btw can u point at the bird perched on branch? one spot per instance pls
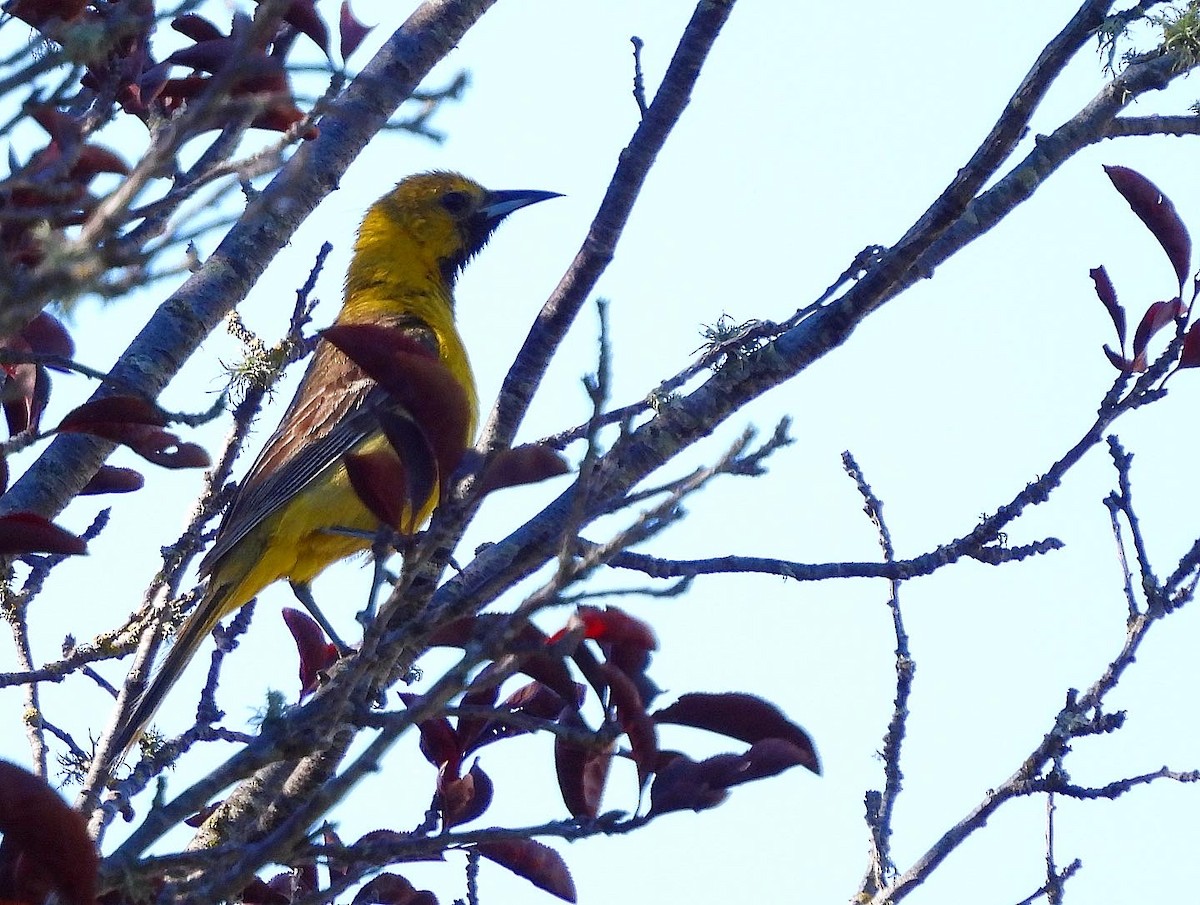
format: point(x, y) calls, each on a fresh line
point(371, 435)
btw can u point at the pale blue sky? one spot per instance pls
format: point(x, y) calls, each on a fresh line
point(813, 133)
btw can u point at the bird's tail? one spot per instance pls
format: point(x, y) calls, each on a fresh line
point(188, 639)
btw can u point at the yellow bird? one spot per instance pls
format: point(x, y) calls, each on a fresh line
point(296, 511)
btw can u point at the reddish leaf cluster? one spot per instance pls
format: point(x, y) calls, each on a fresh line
point(46, 847)
point(25, 390)
point(27, 385)
point(50, 191)
point(776, 744)
point(138, 424)
point(447, 745)
point(611, 650)
point(131, 421)
point(146, 88)
point(1157, 212)
point(427, 425)
point(258, 73)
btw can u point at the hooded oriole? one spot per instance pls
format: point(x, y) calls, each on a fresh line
point(296, 512)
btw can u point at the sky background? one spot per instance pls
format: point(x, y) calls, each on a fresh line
point(811, 134)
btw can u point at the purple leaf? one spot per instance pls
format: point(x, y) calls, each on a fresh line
point(1108, 295)
point(1158, 213)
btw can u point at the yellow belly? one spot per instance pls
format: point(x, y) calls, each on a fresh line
point(323, 523)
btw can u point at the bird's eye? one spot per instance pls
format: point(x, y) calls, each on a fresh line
point(457, 203)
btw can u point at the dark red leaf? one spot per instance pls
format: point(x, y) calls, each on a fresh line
point(552, 672)
point(351, 31)
point(165, 450)
point(482, 692)
point(305, 878)
point(625, 641)
point(684, 785)
point(582, 770)
point(1108, 295)
point(464, 798)
point(3, 473)
point(772, 756)
point(634, 663)
point(316, 653)
point(135, 423)
point(24, 532)
point(38, 13)
point(457, 632)
point(63, 129)
point(526, 464)
point(376, 349)
point(127, 409)
point(1119, 362)
point(111, 479)
point(210, 55)
point(302, 14)
point(741, 716)
point(380, 481)
point(94, 160)
point(530, 646)
point(46, 845)
point(615, 626)
point(151, 443)
point(281, 116)
point(257, 71)
point(1157, 316)
point(1190, 356)
point(20, 397)
point(537, 700)
point(1158, 213)
point(196, 27)
point(392, 889)
point(259, 892)
point(439, 743)
point(539, 864)
point(532, 700)
point(418, 380)
point(635, 722)
point(47, 336)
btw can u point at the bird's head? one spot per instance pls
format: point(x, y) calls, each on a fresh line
point(440, 220)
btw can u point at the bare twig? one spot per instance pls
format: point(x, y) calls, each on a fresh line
point(881, 805)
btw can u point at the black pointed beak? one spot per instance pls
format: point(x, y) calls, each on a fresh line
point(500, 204)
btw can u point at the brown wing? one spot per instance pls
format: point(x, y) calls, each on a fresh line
point(334, 409)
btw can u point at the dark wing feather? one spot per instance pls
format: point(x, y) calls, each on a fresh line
point(333, 410)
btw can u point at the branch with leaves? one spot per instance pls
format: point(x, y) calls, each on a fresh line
point(588, 684)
